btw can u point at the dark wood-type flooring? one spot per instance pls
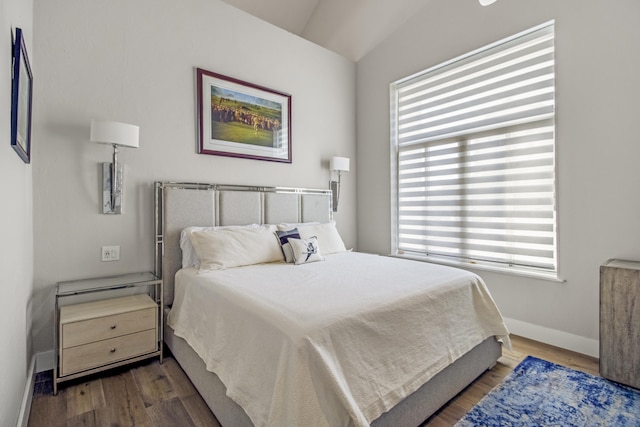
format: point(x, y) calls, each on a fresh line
point(153, 394)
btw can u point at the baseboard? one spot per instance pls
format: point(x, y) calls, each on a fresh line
point(554, 337)
point(44, 361)
point(27, 397)
point(39, 363)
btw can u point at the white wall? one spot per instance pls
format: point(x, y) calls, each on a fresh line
point(133, 61)
point(16, 227)
point(598, 144)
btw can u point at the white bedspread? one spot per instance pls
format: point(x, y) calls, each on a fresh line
point(333, 343)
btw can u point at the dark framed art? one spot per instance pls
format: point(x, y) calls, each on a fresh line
point(240, 119)
point(21, 94)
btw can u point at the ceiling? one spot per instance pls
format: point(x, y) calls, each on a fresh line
point(350, 28)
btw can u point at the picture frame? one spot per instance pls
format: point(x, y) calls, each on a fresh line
point(21, 99)
point(241, 119)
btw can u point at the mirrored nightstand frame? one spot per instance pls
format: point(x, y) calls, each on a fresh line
point(100, 288)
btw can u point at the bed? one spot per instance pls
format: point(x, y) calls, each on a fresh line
point(324, 343)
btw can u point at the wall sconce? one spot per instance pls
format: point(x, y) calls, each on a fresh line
point(337, 164)
point(486, 2)
point(116, 134)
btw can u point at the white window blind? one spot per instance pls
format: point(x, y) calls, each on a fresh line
point(475, 147)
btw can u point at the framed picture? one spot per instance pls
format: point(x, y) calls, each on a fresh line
point(21, 94)
point(240, 119)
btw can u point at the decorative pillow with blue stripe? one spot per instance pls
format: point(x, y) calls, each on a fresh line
point(283, 238)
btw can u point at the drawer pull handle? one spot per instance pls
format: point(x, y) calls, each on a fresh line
point(113, 350)
point(113, 327)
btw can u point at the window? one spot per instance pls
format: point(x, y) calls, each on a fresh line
point(474, 157)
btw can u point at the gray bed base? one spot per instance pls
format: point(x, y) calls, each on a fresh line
point(179, 205)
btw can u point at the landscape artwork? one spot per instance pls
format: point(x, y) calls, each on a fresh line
point(240, 119)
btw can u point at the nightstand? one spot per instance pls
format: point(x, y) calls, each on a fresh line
point(105, 322)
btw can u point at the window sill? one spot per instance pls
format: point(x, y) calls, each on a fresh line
point(530, 273)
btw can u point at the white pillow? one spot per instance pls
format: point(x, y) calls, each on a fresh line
point(189, 257)
point(235, 247)
point(305, 250)
point(328, 237)
point(290, 225)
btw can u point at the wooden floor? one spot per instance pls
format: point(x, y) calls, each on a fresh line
point(153, 394)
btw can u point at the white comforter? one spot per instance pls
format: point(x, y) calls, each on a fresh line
point(331, 343)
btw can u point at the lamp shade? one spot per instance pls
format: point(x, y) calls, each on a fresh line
point(122, 134)
point(339, 164)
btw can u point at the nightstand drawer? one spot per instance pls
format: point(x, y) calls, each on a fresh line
point(100, 353)
point(101, 328)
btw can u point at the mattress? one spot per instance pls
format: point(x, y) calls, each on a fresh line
point(332, 343)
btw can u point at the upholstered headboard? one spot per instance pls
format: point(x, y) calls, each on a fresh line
point(180, 205)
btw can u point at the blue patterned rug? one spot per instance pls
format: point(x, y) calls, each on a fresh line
point(541, 393)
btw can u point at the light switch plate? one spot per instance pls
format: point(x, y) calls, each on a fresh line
point(110, 253)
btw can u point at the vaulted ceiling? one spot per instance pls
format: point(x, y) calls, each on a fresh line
point(348, 27)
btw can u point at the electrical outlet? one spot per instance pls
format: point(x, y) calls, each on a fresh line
point(110, 253)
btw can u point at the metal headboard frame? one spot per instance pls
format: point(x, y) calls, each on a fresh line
point(160, 187)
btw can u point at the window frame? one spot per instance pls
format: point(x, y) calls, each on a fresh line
point(502, 267)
